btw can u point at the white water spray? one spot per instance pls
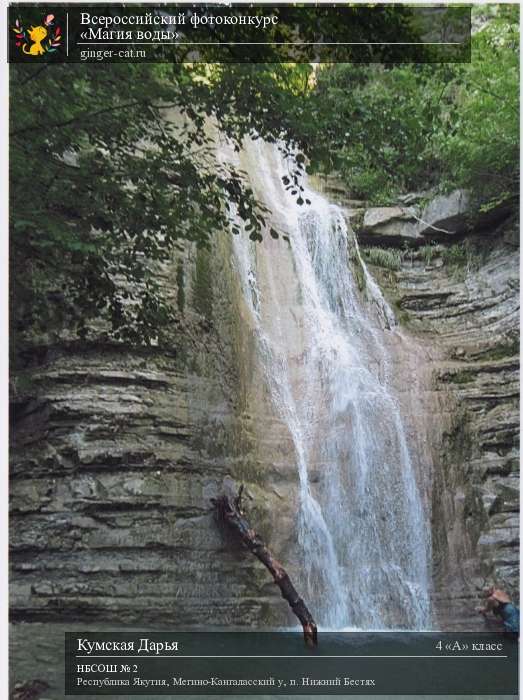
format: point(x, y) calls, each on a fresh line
point(362, 531)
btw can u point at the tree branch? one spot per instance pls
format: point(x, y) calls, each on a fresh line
point(229, 512)
point(34, 75)
point(493, 94)
point(78, 118)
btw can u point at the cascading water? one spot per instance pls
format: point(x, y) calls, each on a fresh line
point(361, 526)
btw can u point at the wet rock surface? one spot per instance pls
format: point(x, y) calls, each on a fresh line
point(115, 455)
point(461, 304)
point(116, 452)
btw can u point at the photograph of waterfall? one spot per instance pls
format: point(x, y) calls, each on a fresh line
point(263, 344)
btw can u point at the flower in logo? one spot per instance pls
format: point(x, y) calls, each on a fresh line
point(37, 41)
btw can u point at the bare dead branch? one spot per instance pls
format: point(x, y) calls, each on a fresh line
point(229, 512)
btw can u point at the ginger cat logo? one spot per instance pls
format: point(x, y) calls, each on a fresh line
point(37, 41)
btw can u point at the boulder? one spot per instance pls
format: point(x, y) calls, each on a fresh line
point(443, 217)
point(388, 225)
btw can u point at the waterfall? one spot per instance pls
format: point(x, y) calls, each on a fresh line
point(363, 536)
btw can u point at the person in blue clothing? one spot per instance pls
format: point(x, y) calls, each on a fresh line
point(499, 603)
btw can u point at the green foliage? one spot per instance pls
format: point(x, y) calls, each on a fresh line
point(427, 252)
point(456, 255)
point(509, 349)
point(376, 124)
point(463, 376)
point(388, 129)
point(461, 258)
point(480, 138)
point(388, 258)
point(110, 166)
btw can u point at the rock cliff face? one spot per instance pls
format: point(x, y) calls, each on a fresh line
point(459, 302)
point(115, 455)
point(116, 452)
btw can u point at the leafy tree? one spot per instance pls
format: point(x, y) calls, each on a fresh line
point(109, 166)
point(390, 128)
point(479, 137)
point(377, 123)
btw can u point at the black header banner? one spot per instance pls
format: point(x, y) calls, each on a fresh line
point(263, 663)
point(207, 33)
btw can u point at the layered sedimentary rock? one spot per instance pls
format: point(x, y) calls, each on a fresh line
point(116, 453)
point(460, 304)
